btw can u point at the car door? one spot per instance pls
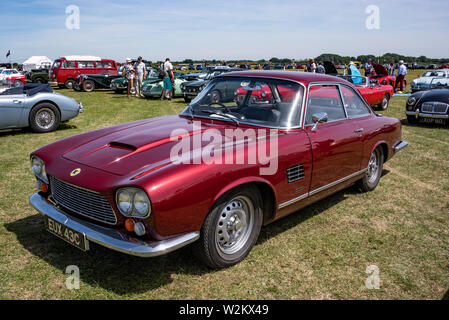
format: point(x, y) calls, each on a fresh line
point(336, 144)
point(11, 108)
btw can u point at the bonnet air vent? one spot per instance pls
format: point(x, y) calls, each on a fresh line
point(295, 173)
point(120, 145)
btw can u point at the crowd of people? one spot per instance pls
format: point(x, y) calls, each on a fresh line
point(136, 73)
point(314, 67)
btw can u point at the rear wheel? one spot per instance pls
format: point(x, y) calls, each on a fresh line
point(385, 102)
point(68, 84)
point(88, 85)
point(44, 118)
point(231, 228)
point(373, 172)
point(39, 80)
point(412, 119)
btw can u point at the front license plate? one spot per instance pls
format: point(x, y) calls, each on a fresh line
point(73, 237)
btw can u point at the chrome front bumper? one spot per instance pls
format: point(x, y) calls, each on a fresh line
point(111, 238)
point(427, 115)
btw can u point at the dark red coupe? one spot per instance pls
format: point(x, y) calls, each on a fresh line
point(217, 172)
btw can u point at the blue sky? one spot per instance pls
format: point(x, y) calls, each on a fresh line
point(228, 29)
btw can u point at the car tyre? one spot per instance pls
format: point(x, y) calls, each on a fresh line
point(68, 84)
point(88, 85)
point(17, 83)
point(371, 179)
point(385, 102)
point(40, 81)
point(215, 96)
point(412, 119)
point(231, 228)
point(44, 117)
point(187, 99)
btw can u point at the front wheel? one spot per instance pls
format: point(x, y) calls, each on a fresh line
point(373, 172)
point(44, 118)
point(17, 83)
point(231, 228)
point(68, 84)
point(88, 85)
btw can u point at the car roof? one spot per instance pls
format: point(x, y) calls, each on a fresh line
point(303, 77)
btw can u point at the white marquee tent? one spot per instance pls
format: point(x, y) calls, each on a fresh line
point(36, 62)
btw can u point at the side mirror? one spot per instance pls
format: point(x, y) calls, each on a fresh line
point(319, 117)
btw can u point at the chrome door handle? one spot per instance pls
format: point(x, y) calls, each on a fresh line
point(360, 130)
point(17, 101)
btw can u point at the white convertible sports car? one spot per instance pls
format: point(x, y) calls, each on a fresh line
point(36, 106)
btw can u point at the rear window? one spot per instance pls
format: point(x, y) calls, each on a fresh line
point(85, 64)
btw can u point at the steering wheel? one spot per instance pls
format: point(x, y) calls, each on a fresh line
point(221, 105)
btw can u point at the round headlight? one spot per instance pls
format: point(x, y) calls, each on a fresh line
point(411, 100)
point(124, 201)
point(141, 203)
point(36, 166)
point(133, 202)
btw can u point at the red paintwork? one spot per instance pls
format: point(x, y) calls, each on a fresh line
point(288, 94)
point(137, 154)
point(61, 75)
point(375, 94)
point(381, 74)
point(17, 76)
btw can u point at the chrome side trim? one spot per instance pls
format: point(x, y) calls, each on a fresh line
point(327, 186)
point(401, 145)
point(109, 237)
point(289, 202)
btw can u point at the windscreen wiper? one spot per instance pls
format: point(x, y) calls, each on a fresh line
point(221, 114)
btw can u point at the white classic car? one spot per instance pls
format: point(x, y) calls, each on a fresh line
point(423, 82)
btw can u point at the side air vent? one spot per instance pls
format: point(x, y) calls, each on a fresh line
point(295, 173)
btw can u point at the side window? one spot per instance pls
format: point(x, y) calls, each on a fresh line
point(104, 64)
point(324, 98)
point(85, 64)
point(70, 64)
point(354, 105)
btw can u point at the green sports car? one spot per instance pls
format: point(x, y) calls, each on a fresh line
point(154, 88)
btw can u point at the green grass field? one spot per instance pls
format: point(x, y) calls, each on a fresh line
point(321, 252)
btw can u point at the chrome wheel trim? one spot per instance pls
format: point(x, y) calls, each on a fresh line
point(88, 86)
point(373, 167)
point(45, 118)
point(384, 103)
point(234, 225)
point(17, 83)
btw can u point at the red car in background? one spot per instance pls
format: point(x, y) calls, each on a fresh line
point(12, 76)
point(149, 187)
point(376, 94)
point(381, 75)
point(64, 70)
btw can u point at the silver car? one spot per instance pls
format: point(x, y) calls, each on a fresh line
point(35, 106)
point(423, 82)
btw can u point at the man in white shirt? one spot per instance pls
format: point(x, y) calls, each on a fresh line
point(141, 73)
point(402, 72)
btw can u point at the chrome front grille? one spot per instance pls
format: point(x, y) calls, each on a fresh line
point(82, 201)
point(434, 107)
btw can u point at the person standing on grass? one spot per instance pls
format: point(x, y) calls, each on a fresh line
point(402, 72)
point(141, 73)
point(129, 74)
point(369, 68)
point(168, 81)
point(320, 68)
